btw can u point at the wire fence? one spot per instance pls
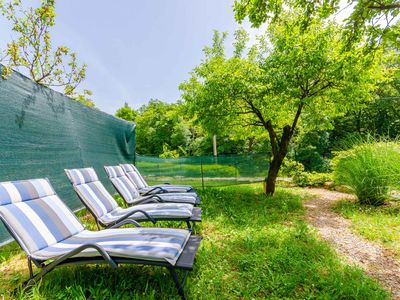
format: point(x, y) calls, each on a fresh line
point(205, 171)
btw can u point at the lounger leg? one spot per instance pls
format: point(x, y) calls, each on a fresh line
point(52, 265)
point(189, 225)
point(30, 268)
point(179, 285)
point(33, 278)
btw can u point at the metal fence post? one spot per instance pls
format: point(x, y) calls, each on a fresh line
point(202, 174)
point(236, 171)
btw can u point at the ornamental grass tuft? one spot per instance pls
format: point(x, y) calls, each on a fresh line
point(370, 169)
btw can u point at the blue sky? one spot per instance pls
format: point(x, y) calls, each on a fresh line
point(137, 50)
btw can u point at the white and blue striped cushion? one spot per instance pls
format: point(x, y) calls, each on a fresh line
point(154, 244)
point(106, 209)
point(86, 183)
point(156, 210)
point(131, 195)
point(191, 198)
point(36, 214)
point(169, 188)
point(82, 176)
point(17, 191)
point(134, 175)
point(114, 171)
point(121, 182)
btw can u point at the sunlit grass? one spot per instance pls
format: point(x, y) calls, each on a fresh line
point(253, 248)
point(379, 224)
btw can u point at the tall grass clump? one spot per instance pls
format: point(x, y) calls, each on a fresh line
point(371, 169)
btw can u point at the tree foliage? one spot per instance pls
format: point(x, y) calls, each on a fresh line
point(292, 75)
point(127, 113)
point(32, 52)
point(158, 124)
point(166, 130)
point(374, 18)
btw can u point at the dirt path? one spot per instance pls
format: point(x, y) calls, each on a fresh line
point(374, 259)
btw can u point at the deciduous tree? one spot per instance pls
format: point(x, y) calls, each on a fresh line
point(292, 76)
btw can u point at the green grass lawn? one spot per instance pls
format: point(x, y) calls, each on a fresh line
point(208, 182)
point(187, 170)
point(253, 248)
point(379, 224)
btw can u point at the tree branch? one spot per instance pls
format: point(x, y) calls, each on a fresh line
point(296, 119)
point(272, 137)
point(384, 6)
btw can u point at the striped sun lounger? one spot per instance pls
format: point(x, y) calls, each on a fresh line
point(130, 193)
point(51, 235)
point(134, 175)
point(107, 212)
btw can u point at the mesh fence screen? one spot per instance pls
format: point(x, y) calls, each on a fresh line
point(43, 132)
point(205, 170)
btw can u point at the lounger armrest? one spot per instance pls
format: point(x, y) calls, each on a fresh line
point(74, 252)
point(157, 188)
point(126, 222)
point(150, 198)
point(132, 213)
point(187, 257)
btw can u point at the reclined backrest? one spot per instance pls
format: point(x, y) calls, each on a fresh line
point(132, 172)
point(122, 183)
point(35, 215)
point(91, 191)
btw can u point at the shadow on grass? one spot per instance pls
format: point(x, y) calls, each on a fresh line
point(248, 206)
point(277, 263)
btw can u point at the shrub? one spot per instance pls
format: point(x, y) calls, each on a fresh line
point(370, 169)
point(168, 153)
point(312, 160)
point(311, 179)
point(291, 168)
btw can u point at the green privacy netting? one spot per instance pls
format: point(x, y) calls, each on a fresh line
point(205, 170)
point(42, 132)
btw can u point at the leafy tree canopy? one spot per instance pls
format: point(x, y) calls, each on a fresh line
point(32, 52)
point(161, 126)
point(291, 75)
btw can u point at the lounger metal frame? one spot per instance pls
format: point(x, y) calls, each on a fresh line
point(184, 263)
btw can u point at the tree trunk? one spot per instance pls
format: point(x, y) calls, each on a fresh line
point(279, 148)
point(251, 141)
point(279, 152)
point(270, 180)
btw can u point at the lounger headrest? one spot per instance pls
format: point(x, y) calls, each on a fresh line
point(114, 171)
point(81, 176)
point(128, 168)
point(24, 190)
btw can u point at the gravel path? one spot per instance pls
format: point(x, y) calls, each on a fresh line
point(376, 261)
